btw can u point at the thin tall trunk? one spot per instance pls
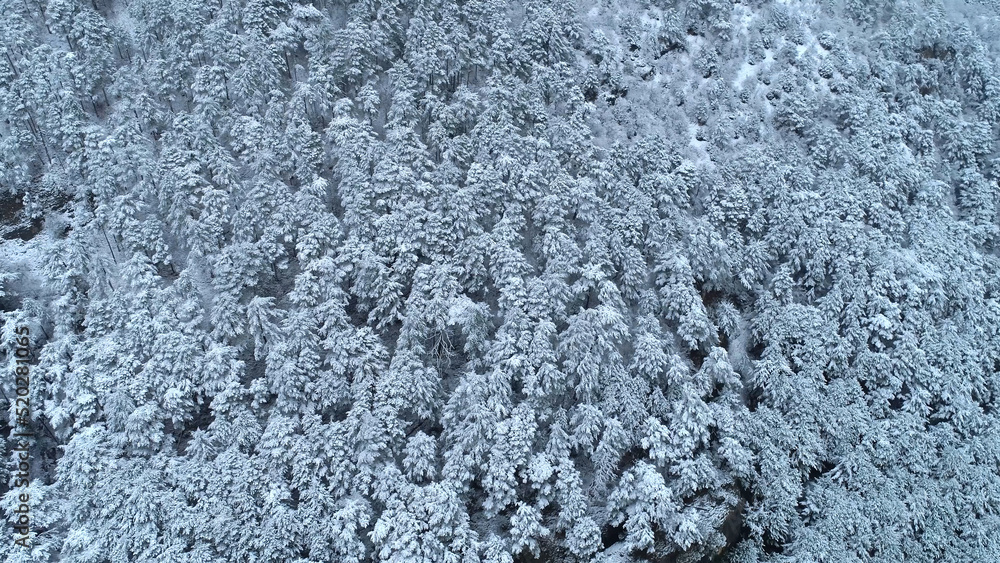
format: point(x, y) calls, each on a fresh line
point(107, 240)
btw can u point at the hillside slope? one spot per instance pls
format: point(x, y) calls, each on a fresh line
point(497, 281)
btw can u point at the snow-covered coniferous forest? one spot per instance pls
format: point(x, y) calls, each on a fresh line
point(500, 281)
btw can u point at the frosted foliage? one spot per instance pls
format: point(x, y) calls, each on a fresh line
point(501, 281)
